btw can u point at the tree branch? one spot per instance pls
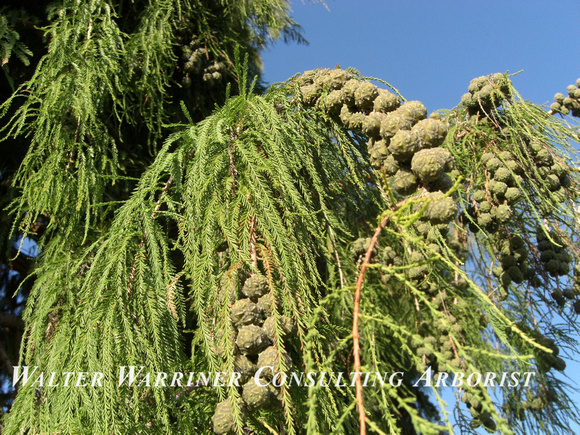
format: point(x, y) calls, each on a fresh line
point(164, 191)
point(142, 242)
point(355, 317)
point(253, 253)
point(341, 275)
point(356, 312)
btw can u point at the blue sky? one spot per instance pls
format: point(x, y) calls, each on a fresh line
point(430, 50)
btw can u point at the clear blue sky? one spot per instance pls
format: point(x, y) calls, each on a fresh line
point(430, 50)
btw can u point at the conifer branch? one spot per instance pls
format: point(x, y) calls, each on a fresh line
point(252, 242)
point(336, 256)
point(356, 310)
point(355, 321)
point(275, 189)
point(158, 203)
point(166, 187)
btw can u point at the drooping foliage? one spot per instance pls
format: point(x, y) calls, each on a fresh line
point(121, 73)
point(324, 226)
point(91, 91)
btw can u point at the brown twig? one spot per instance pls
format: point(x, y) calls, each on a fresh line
point(355, 319)
point(456, 353)
point(253, 253)
point(356, 311)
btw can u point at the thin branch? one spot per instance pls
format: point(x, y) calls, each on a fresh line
point(166, 187)
point(252, 241)
point(233, 170)
point(355, 318)
point(142, 242)
point(340, 273)
point(356, 311)
point(72, 153)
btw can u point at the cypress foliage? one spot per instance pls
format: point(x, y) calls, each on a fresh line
point(324, 226)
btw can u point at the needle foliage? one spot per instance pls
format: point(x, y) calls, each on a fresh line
point(199, 223)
